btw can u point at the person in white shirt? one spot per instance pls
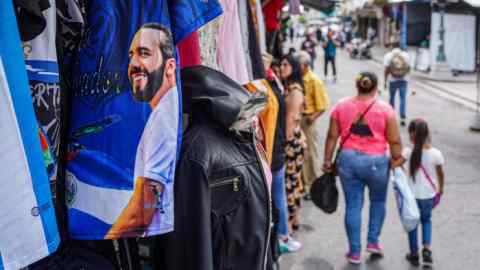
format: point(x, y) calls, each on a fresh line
point(152, 74)
point(425, 164)
point(396, 63)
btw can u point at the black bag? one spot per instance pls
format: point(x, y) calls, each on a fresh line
point(324, 191)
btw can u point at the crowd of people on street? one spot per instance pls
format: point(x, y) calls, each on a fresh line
point(367, 130)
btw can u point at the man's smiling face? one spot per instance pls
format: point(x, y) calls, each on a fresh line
point(146, 67)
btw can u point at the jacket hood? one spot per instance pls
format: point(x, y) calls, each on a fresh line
point(208, 93)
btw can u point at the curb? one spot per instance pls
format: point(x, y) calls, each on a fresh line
point(433, 79)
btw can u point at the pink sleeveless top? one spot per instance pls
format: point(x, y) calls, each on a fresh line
point(347, 110)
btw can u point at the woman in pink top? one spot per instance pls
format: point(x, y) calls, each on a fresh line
point(367, 129)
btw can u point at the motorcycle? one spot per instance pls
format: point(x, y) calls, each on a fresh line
point(365, 52)
point(359, 49)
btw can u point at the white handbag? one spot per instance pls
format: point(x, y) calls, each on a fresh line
point(406, 202)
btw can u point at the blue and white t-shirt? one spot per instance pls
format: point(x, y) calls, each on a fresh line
point(28, 229)
point(42, 70)
point(119, 74)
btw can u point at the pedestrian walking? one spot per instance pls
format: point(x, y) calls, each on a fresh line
point(366, 127)
point(309, 45)
point(330, 49)
point(425, 164)
point(316, 103)
point(319, 34)
point(396, 63)
point(296, 142)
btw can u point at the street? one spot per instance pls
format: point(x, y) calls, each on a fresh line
point(456, 222)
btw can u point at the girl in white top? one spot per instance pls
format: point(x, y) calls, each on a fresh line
point(425, 164)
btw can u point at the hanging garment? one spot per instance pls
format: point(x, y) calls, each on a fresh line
point(243, 14)
point(262, 38)
point(208, 43)
point(222, 199)
point(189, 51)
point(42, 69)
point(30, 18)
point(268, 116)
point(230, 51)
point(250, 24)
point(28, 229)
point(271, 12)
point(258, 69)
point(125, 121)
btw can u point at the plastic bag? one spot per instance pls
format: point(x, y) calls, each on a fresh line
point(406, 202)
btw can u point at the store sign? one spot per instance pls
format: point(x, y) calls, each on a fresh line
point(125, 121)
point(28, 229)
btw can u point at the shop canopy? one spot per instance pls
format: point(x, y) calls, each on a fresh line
point(473, 3)
point(326, 6)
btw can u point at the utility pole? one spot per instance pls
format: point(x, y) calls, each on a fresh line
point(476, 120)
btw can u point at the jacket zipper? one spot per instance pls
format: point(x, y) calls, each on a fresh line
point(234, 181)
point(269, 223)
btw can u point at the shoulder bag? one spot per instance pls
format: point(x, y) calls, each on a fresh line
point(324, 190)
point(438, 195)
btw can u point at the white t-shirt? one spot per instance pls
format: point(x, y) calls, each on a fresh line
point(388, 58)
point(156, 155)
point(431, 158)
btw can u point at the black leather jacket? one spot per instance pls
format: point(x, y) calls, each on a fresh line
point(222, 202)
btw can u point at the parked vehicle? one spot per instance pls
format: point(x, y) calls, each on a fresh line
point(359, 49)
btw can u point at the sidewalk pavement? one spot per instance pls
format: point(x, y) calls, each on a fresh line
point(456, 241)
point(463, 89)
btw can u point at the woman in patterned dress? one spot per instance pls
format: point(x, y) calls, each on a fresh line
point(296, 143)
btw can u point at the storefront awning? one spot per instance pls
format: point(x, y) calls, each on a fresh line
point(473, 3)
point(326, 6)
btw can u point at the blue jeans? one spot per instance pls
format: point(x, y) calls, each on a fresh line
point(401, 86)
point(425, 207)
point(279, 196)
point(357, 170)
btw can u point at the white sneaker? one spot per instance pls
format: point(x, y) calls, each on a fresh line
point(289, 245)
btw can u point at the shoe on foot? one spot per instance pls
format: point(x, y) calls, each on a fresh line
point(413, 259)
point(375, 249)
point(403, 122)
point(353, 258)
point(288, 245)
point(427, 257)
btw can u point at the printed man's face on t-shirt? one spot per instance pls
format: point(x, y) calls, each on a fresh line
point(147, 66)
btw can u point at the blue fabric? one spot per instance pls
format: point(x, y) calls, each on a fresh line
point(400, 86)
point(190, 15)
point(107, 123)
point(357, 171)
point(425, 207)
point(330, 50)
point(12, 59)
point(90, 225)
point(279, 195)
